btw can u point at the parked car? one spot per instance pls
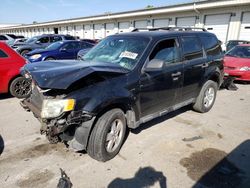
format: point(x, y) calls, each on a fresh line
point(10, 77)
point(92, 41)
point(39, 42)
point(6, 38)
point(82, 52)
point(58, 50)
point(232, 43)
point(125, 80)
point(237, 62)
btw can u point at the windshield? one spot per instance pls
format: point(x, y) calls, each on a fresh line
point(32, 39)
point(124, 51)
point(240, 51)
point(54, 46)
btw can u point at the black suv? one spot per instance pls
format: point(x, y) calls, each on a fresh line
point(125, 80)
point(39, 42)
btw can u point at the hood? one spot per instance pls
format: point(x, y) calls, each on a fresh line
point(236, 62)
point(37, 51)
point(62, 74)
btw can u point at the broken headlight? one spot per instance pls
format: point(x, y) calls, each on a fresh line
point(55, 107)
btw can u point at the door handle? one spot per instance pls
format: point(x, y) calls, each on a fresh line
point(176, 74)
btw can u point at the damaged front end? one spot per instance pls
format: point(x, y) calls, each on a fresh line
point(60, 91)
point(59, 119)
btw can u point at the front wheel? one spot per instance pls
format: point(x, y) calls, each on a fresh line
point(20, 87)
point(206, 98)
point(107, 136)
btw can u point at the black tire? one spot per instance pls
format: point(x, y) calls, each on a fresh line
point(23, 52)
point(20, 87)
point(98, 144)
point(202, 105)
point(49, 59)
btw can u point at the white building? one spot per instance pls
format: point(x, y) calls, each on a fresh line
point(228, 19)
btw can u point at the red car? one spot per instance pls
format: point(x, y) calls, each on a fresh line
point(237, 62)
point(10, 78)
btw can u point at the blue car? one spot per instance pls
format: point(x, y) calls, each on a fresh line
point(58, 50)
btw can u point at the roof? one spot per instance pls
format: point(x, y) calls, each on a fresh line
point(154, 34)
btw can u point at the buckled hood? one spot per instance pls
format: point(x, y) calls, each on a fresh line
point(62, 74)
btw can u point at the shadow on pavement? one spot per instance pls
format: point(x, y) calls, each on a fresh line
point(5, 96)
point(143, 178)
point(232, 171)
point(1, 145)
point(161, 119)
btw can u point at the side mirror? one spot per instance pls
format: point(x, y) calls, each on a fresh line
point(154, 65)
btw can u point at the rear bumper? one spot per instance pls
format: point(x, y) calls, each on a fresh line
point(239, 75)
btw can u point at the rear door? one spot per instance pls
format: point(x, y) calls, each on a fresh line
point(162, 89)
point(194, 66)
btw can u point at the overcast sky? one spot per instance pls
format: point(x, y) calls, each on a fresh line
point(27, 11)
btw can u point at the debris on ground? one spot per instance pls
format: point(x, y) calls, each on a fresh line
point(192, 139)
point(64, 181)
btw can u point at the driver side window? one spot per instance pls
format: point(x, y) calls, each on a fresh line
point(44, 40)
point(166, 51)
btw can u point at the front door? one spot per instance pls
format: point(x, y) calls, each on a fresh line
point(162, 89)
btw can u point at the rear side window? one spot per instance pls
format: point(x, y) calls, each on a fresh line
point(86, 45)
point(191, 47)
point(167, 51)
point(55, 39)
point(3, 54)
point(68, 37)
point(3, 37)
point(211, 45)
point(71, 46)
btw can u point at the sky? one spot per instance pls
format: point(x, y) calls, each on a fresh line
point(27, 11)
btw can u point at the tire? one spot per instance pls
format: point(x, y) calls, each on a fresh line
point(49, 59)
point(23, 52)
point(102, 148)
point(20, 87)
point(206, 98)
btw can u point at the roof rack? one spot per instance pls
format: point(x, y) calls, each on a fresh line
point(170, 29)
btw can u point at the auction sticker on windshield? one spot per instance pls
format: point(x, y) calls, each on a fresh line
point(129, 55)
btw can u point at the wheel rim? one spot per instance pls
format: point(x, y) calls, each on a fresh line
point(22, 87)
point(114, 136)
point(209, 97)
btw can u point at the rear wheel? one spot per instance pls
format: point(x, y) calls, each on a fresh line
point(206, 98)
point(20, 87)
point(107, 136)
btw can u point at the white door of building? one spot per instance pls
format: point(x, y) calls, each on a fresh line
point(110, 29)
point(88, 32)
point(245, 27)
point(124, 27)
point(98, 31)
point(186, 21)
point(141, 24)
point(79, 31)
point(161, 23)
point(218, 24)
